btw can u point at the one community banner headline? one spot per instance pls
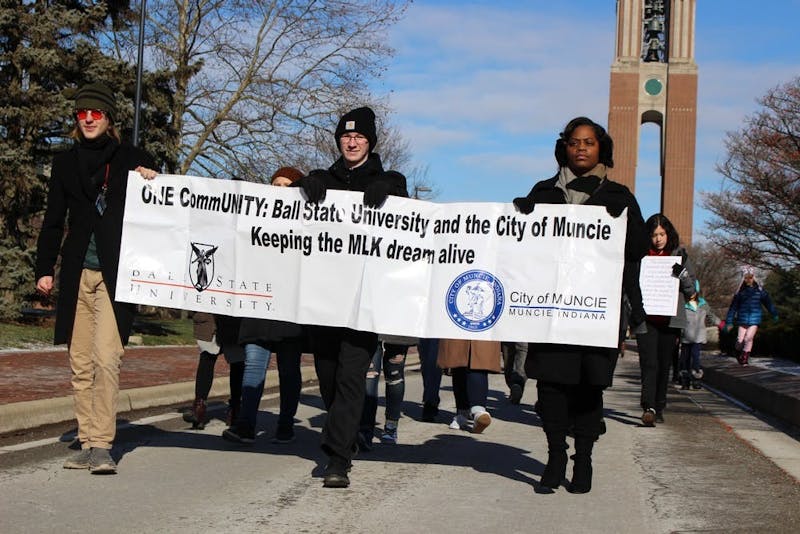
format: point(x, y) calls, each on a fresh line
point(410, 267)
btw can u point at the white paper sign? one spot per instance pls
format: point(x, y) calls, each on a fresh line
point(659, 287)
point(412, 268)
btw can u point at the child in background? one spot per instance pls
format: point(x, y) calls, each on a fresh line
point(745, 311)
point(698, 314)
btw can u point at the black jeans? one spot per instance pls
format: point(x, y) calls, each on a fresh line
point(392, 359)
point(341, 358)
point(656, 347)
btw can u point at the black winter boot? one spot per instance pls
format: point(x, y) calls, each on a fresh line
point(556, 467)
point(582, 468)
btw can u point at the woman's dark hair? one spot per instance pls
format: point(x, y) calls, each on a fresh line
point(606, 143)
point(659, 219)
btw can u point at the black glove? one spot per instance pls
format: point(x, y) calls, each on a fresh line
point(524, 204)
point(679, 271)
point(615, 209)
point(375, 194)
point(314, 188)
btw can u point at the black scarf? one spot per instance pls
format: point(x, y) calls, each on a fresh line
point(93, 155)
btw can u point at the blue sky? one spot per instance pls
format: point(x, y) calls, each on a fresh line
point(480, 89)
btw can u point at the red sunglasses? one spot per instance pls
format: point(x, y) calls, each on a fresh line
point(96, 114)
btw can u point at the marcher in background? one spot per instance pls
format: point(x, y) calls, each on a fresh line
point(390, 356)
point(86, 196)
point(215, 335)
point(470, 363)
point(571, 378)
point(514, 356)
point(342, 355)
point(745, 312)
point(260, 338)
point(428, 350)
point(693, 337)
point(658, 343)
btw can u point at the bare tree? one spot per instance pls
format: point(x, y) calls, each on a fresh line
point(257, 81)
point(718, 274)
point(757, 210)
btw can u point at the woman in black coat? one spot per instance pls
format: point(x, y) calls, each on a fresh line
point(260, 338)
point(86, 194)
point(571, 378)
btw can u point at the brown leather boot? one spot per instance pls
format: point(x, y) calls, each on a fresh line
point(197, 415)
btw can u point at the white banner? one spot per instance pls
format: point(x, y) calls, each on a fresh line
point(413, 268)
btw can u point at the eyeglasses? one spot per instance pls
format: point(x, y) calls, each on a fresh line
point(96, 114)
point(360, 139)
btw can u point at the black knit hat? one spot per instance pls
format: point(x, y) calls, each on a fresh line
point(96, 96)
point(360, 120)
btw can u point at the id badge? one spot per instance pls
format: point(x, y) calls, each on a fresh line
point(100, 203)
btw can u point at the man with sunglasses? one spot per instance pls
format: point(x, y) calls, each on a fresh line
point(342, 355)
point(87, 195)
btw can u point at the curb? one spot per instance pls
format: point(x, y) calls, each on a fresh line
point(771, 392)
point(31, 414)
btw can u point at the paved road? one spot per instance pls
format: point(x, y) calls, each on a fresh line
point(704, 470)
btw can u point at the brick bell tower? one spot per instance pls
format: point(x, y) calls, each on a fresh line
point(654, 79)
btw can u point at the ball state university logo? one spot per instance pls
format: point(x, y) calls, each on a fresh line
point(475, 300)
point(201, 265)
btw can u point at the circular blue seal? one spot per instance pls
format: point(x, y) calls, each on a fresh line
point(475, 300)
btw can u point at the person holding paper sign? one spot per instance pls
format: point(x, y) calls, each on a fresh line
point(659, 341)
point(86, 194)
point(571, 378)
point(342, 355)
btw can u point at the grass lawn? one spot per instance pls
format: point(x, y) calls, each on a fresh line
point(152, 331)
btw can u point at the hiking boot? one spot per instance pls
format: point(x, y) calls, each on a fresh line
point(515, 393)
point(101, 462)
point(649, 417)
point(197, 415)
point(389, 435)
point(429, 411)
point(240, 433)
point(745, 358)
point(284, 434)
point(79, 460)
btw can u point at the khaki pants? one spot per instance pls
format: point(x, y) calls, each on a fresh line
point(95, 356)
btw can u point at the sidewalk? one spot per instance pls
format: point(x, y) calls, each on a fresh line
point(35, 388)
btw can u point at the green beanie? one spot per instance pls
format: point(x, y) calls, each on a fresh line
point(96, 96)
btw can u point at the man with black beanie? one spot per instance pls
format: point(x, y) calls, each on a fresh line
point(342, 355)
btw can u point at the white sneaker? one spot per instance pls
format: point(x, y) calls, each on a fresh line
point(481, 421)
point(460, 422)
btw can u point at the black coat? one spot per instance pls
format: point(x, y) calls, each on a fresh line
point(338, 176)
point(574, 364)
point(71, 200)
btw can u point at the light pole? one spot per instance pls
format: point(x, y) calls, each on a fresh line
point(139, 69)
point(420, 189)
